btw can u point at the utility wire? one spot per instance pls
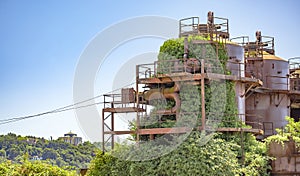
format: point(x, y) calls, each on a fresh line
point(52, 111)
point(2, 122)
point(62, 109)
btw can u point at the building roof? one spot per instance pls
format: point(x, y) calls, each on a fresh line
point(268, 56)
point(70, 133)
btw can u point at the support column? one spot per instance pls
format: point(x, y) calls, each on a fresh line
point(202, 96)
point(103, 139)
point(137, 103)
point(112, 127)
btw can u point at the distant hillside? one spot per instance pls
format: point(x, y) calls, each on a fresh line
point(13, 147)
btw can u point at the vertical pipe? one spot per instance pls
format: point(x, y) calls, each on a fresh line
point(151, 137)
point(227, 29)
point(217, 50)
point(202, 95)
point(186, 48)
point(155, 65)
point(103, 139)
point(112, 127)
point(137, 103)
point(179, 28)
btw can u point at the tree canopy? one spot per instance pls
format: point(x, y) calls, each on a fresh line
point(54, 152)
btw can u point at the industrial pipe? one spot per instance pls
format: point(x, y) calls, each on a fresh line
point(170, 93)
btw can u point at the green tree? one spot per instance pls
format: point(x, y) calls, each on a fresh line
point(290, 131)
point(56, 152)
point(49, 154)
point(27, 168)
point(3, 153)
point(13, 152)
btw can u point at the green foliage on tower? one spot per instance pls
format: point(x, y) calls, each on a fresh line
point(197, 153)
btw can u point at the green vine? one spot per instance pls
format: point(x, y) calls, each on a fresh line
point(290, 131)
point(220, 102)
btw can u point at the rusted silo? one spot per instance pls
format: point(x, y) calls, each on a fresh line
point(235, 64)
point(270, 102)
point(269, 108)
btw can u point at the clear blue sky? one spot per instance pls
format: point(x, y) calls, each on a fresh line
point(41, 42)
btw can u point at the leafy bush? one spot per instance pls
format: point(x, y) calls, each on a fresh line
point(27, 168)
point(290, 131)
point(222, 155)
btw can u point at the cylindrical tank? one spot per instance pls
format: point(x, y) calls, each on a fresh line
point(235, 64)
point(269, 109)
point(266, 105)
point(275, 73)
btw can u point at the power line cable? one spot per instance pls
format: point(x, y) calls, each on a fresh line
point(62, 109)
point(53, 111)
point(2, 122)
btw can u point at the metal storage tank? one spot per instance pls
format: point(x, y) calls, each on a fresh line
point(268, 108)
point(275, 72)
point(270, 103)
point(235, 64)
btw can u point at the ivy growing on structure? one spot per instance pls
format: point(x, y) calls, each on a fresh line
point(223, 154)
point(220, 103)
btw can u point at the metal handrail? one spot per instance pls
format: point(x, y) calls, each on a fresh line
point(294, 63)
point(242, 40)
point(191, 24)
point(223, 24)
point(115, 101)
point(180, 66)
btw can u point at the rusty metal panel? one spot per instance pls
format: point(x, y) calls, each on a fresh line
point(235, 52)
point(236, 59)
point(295, 84)
point(287, 158)
point(270, 108)
point(254, 68)
point(128, 95)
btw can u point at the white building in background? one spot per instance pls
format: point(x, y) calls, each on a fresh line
point(71, 138)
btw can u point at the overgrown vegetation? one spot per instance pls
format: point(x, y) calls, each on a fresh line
point(29, 168)
point(54, 152)
point(197, 153)
point(290, 131)
point(220, 156)
point(220, 103)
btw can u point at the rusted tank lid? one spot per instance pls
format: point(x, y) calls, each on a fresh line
point(268, 56)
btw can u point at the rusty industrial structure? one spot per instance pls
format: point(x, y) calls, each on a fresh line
point(287, 158)
point(267, 87)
